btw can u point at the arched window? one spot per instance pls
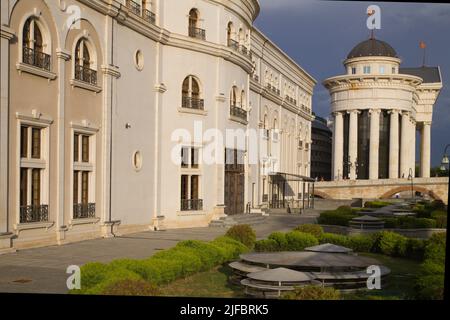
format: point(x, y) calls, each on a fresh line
point(235, 110)
point(33, 45)
point(194, 30)
point(241, 36)
point(191, 95)
point(84, 65)
point(243, 100)
point(230, 31)
point(233, 97)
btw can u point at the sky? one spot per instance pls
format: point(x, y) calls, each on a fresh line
point(318, 35)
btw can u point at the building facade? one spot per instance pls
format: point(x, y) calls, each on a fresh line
point(378, 107)
point(109, 108)
point(321, 150)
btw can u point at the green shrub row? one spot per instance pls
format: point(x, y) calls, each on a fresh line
point(186, 258)
point(409, 223)
point(290, 241)
point(430, 283)
point(376, 204)
point(244, 234)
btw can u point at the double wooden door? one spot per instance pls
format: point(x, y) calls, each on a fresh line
point(234, 183)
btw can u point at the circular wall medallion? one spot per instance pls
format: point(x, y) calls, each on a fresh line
point(139, 60)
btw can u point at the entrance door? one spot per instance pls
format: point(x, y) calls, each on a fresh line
point(234, 182)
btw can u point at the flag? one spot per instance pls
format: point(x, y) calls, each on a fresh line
point(422, 45)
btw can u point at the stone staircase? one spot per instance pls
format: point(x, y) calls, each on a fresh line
point(229, 221)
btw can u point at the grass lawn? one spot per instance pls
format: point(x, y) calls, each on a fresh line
point(214, 283)
point(211, 284)
point(400, 282)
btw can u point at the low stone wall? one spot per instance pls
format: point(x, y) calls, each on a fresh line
point(410, 233)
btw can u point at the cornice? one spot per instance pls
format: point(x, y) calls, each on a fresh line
point(7, 33)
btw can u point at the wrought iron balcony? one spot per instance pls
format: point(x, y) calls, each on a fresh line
point(233, 44)
point(32, 213)
point(197, 33)
point(134, 7)
point(193, 103)
point(238, 112)
point(83, 210)
point(86, 74)
point(36, 58)
point(149, 16)
point(192, 205)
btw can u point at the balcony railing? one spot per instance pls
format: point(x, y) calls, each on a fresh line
point(192, 205)
point(291, 100)
point(149, 16)
point(134, 7)
point(83, 210)
point(36, 58)
point(86, 74)
point(197, 33)
point(238, 112)
point(233, 44)
point(193, 103)
point(32, 213)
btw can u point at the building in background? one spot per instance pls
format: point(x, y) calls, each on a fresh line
point(378, 107)
point(321, 150)
point(100, 93)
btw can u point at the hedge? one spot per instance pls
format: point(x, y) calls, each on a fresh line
point(243, 233)
point(376, 204)
point(298, 241)
point(335, 217)
point(314, 229)
point(186, 258)
point(313, 293)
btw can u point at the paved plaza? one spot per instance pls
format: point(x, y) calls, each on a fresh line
point(43, 270)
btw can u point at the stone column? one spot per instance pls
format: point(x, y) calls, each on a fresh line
point(353, 142)
point(412, 147)
point(425, 150)
point(393, 145)
point(404, 154)
point(338, 145)
point(374, 143)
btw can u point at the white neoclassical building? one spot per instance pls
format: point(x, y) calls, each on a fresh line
point(378, 106)
point(108, 108)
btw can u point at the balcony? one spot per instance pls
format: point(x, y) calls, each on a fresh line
point(35, 58)
point(134, 7)
point(238, 112)
point(86, 75)
point(193, 103)
point(233, 44)
point(83, 210)
point(291, 100)
point(273, 89)
point(192, 205)
point(29, 214)
point(149, 16)
point(197, 33)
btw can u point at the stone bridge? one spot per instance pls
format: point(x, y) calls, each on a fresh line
point(435, 188)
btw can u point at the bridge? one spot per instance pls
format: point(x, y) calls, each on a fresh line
point(435, 188)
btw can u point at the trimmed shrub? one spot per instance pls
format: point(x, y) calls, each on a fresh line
point(266, 245)
point(111, 277)
point(361, 243)
point(313, 293)
point(93, 273)
point(415, 223)
point(390, 223)
point(376, 204)
point(336, 218)
point(313, 229)
point(280, 239)
point(344, 210)
point(390, 243)
point(415, 249)
point(231, 248)
point(131, 288)
point(333, 238)
point(298, 241)
point(440, 217)
point(244, 234)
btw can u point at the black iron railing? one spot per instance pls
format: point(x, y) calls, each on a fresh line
point(192, 205)
point(193, 103)
point(197, 33)
point(83, 210)
point(32, 213)
point(291, 100)
point(36, 58)
point(86, 74)
point(236, 111)
point(134, 7)
point(149, 16)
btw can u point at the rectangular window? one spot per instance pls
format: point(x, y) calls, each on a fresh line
point(382, 70)
point(353, 70)
point(184, 187)
point(76, 148)
point(366, 69)
point(23, 186)
point(36, 187)
point(394, 70)
point(194, 188)
point(85, 187)
point(184, 157)
point(24, 142)
point(85, 148)
point(194, 158)
point(75, 186)
point(36, 143)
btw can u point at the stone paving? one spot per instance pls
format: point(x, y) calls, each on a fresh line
point(43, 270)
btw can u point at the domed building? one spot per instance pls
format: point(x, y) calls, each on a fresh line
point(378, 106)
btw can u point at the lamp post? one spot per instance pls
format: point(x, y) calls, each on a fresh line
point(410, 177)
point(445, 163)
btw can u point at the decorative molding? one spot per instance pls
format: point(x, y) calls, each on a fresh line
point(63, 54)
point(84, 125)
point(193, 111)
point(111, 71)
point(160, 88)
point(22, 67)
point(7, 33)
point(35, 117)
point(84, 85)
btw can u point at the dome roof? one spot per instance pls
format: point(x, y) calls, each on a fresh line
point(371, 48)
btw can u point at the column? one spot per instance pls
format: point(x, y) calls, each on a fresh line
point(338, 145)
point(425, 150)
point(353, 142)
point(412, 148)
point(404, 155)
point(374, 143)
point(393, 145)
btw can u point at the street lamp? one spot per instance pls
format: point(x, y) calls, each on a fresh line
point(445, 162)
point(410, 177)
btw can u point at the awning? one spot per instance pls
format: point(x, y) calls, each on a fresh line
point(281, 176)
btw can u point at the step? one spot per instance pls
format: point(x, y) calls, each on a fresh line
point(250, 219)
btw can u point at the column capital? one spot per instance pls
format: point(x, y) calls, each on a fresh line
point(374, 111)
point(111, 71)
point(426, 123)
point(63, 54)
point(405, 113)
point(353, 111)
point(337, 113)
point(394, 111)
